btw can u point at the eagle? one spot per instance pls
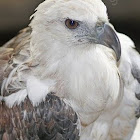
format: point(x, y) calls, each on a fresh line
point(69, 76)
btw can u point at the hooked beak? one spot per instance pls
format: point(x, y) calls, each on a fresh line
point(107, 37)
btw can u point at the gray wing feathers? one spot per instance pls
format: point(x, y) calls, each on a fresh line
point(50, 120)
point(136, 71)
point(136, 65)
point(130, 64)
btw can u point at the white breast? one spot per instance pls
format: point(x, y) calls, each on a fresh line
point(90, 82)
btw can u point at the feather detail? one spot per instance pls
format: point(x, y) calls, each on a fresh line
point(129, 108)
point(51, 119)
point(14, 57)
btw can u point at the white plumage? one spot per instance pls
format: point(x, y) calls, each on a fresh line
point(126, 120)
point(79, 67)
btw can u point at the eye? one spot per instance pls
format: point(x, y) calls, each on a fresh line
point(71, 24)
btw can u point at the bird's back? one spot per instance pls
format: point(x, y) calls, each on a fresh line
point(14, 53)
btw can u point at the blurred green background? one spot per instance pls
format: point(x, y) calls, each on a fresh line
point(14, 15)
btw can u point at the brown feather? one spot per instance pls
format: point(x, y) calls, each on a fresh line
point(50, 120)
point(11, 54)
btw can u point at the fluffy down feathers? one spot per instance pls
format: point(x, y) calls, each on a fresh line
point(129, 109)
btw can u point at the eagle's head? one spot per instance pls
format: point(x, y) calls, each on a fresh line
point(75, 44)
point(63, 25)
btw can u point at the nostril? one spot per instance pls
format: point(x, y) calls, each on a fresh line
point(137, 95)
point(99, 30)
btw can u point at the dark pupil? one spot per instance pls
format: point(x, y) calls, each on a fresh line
point(72, 23)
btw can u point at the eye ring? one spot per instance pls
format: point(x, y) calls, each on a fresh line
point(71, 24)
